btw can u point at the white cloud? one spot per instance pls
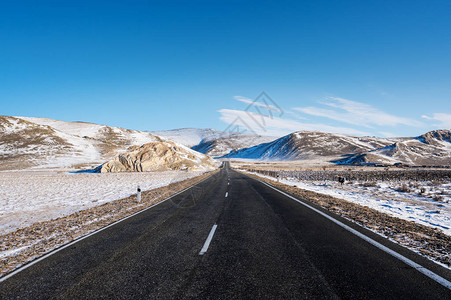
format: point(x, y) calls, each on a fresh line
point(256, 103)
point(277, 126)
point(444, 119)
point(356, 113)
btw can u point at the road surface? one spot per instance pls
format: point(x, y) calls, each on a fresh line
point(230, 236)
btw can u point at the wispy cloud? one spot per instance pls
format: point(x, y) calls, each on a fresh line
point(356, 113)
point(256, 103)
point(277, 126)
point(443, 119)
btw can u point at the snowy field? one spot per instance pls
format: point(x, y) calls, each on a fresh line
point(427, 203)
point(29, 197)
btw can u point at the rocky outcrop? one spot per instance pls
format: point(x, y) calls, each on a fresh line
point(158, 156)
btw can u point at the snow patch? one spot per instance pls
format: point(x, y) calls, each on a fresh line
point(29, 197)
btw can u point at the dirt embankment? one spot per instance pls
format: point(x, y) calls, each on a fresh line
point(31, 242)
point(430, 242)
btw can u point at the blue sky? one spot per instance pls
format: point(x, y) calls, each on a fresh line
point(359, 67)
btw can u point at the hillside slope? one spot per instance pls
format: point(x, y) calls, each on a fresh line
point(212, 142)
point(309, 145)
point(44, 143)
point(189, 136)
point(430, 149)
point(221, 146)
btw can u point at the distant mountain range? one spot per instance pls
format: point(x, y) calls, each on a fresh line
point(224, 145)
point(189, 136)
point(213, 142)
point(310, 144)
point(430, 149)
point(44, 143)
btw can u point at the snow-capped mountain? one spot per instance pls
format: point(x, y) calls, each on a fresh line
point(309, 145)
point(430, 149)
point(45, 143)
point(221, 146)
point(189, 136)
point(212, 142)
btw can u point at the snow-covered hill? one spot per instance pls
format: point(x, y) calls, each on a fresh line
point(189, 136)
point(430, 149)
point(212, 142)
point(224, 145)
point(310, 145)
point(115, 135)
point(44, 143)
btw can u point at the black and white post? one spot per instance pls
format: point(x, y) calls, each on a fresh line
point(138, 195)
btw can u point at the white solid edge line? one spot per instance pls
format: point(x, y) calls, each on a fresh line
point(404, 259)
point(208, 240)
point(24, 267)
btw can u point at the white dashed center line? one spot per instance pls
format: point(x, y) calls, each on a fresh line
point(208, 241)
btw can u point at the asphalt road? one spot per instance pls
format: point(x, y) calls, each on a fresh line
point(265, 246)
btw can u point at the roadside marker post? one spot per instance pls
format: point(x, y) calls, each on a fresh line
point(138, 196)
